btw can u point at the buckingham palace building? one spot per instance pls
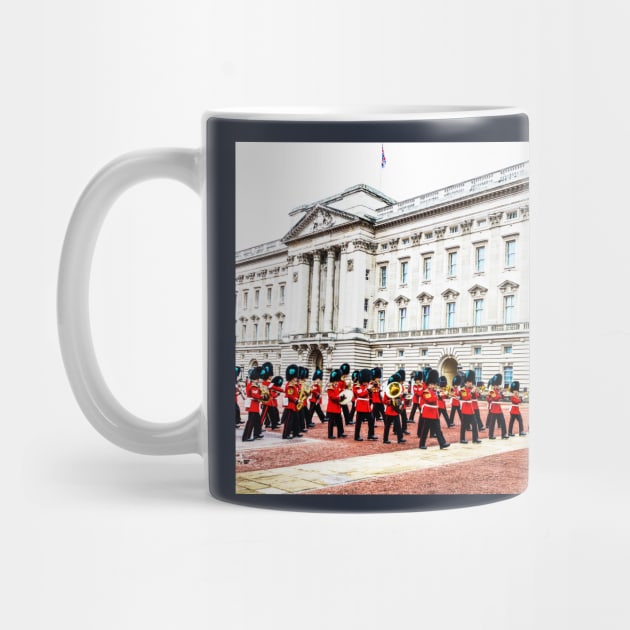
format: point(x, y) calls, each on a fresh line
point(439, 280)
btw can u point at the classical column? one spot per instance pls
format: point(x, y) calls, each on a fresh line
point(313, 325)
point(297, 294)
point(330, 282)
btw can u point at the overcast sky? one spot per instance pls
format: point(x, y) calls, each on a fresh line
point(273, 178)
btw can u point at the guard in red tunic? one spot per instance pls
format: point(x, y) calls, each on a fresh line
point(515, 412)
point(392, 412)
point(345, 371)
point(362, 395)
point(476, 395)
point(455, 405)
point(275, 391)
point(495, 412)
point(237, 392)
point(402, 408)
point(316, 398)
point(291, 396)
point(254, 396)
point(355, 383)
point(266, 373)
point(333, 408)
point(469, 420)
point(416, 389)
point(441, 394)
point(378, 409)
point(431, 412)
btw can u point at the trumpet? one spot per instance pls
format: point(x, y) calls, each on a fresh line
point(304, 392)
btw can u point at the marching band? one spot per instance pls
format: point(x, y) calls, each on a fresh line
point(363, 393)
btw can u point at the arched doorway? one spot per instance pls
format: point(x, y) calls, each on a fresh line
point(315, 360)
point(449, 369)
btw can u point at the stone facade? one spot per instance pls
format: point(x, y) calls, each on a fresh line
point(439, 280)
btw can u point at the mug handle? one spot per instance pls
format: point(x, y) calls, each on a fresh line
point(97, 402)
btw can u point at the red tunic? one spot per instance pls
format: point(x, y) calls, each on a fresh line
point(333, 405)
point(362, 398)
point(441, 403)
point(390, 410)
point(466, 396)
point(494, 398)
point(376, 393)
point(430, 409)
point(455, 397)
point(515, 399)
point(253, 393)
point(275, 391)
point(292, 393)
point(417, 392)
point(316, 393)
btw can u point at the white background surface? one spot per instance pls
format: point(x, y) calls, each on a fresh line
point(93, 537)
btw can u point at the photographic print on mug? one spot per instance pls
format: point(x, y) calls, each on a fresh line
point(382, 318)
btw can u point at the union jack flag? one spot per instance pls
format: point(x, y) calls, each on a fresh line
point(383, 158)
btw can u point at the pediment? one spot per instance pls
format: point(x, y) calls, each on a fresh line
point(508, 285)
point(449, 294)
point(477, 290)
point(380, 302)
point(402, 299)
point(424, 297)
point(318, 219)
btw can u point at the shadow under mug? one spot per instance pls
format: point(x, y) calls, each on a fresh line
point(425, 288)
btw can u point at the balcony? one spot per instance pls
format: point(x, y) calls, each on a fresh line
point(314, 337)
point(452, 332)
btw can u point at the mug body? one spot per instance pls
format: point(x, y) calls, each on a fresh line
point(367, 294)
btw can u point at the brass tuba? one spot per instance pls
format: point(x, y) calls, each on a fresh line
point(304, 394)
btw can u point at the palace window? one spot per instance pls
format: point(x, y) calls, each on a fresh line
point(379, 354)
point(256, 298)
point(508, 309)
point(365, 324)
point(481, 223)
point(245, 297)
point(268, 296)
point(507, 349)
point(267, 330)
point(450, 314)
point(255, 332)
point(477, 350)
point(404, 272)
point(478, 374)
point(401, 353)
point(454, 229)
point(480, 259)
point(508, 375)
point(381, 321)
point(402, 319)
point(510, 216)
point(510, 253)
point(426, 316)
point(280, 328)
point(366, 305)
point(452, 264)
point(282, 294)
point(426, 268)
point(244, 332)
point(478, 312)
point(424, 352)
point(367, 274)
point(383, 277)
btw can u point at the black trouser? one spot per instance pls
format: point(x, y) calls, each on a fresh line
point(361, 417)
point(432, 424)
point(469, 423)
point(378, 411)
point(445, 416)
point(315, 409)
point(352, 410)
point(397, 427)
point(291, 423)
point(478, 418)
point(252, 425)
point(403, 417)
point(301, 413)
point(334, 420)
point(499, 419)
point(265, 418)
point(415, 407)
point(459, 413)
point(274, 417)
point(421, 427)
point(346, 414)
point(518, 418)
point(238, 414)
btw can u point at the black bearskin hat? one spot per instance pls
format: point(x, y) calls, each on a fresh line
point(344, 369)
point(442, 382)
point(277, 381)
point(317, 374)
point(291, 371)
point(335, 376)
point(395, 378)
point(268, 367)
point(433, 377)
point(402, 374)
point(376, 372)
point(515, 386)
point(255, 373)
point(457, 380)
point(496, 380)
point(302, 372)
point(365, 376)
point(237, 372)
point(425, 373)
point(416, 375)
point(469, 376)
point(355, 376)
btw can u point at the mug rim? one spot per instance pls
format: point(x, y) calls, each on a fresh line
point(362, 113)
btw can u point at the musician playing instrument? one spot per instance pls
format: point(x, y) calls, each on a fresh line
point(378, 409)
point(362, 395)
point(442, 394)
point(417, 390)
point(333, 408)
point(254, 396)
point(316, 398)
point(431, 413)
point(275, 391)
point(345, 410)
point(495, 412)
point(292, 395)
point(392, 407)
point(455, 405)
point(469, 421)
point(515, 412)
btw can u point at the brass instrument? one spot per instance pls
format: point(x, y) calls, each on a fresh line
point(265, 395)
point(394, 391)
point(304, 393)
point(345, 397)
